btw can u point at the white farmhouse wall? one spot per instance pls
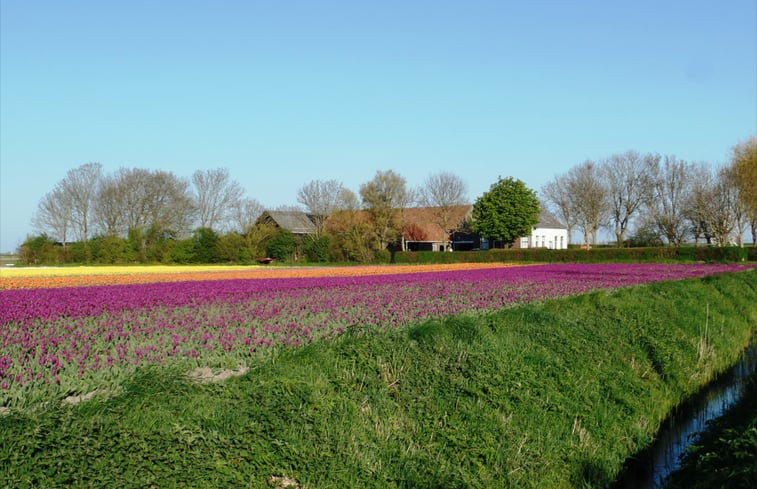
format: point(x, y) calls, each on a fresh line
point(555, 239)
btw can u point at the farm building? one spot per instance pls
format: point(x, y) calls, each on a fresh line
point(548, 233)
point(432, 228)
point(297, 222)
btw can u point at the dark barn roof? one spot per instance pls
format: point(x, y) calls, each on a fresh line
point(297, 222)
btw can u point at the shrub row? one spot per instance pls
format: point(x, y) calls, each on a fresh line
point(573, 255)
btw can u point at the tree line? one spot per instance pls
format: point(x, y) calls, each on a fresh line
point(659, 199)
point(139, 215)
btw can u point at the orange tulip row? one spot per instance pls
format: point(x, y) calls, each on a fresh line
point(7, 283)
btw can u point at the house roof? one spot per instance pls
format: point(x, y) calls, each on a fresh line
point(421, 223)
point(548, 221)
point(297, 222)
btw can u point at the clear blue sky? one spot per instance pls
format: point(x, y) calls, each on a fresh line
point(282, 93)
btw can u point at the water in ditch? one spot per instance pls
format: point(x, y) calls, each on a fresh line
point(649, 469)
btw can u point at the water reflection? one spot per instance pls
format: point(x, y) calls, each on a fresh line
point(649, 469)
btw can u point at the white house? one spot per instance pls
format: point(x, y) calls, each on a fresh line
point(548, 233)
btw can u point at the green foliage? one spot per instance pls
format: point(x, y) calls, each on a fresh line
point(710, 254)
point(110, 250)
point(230, 248)
point(282, 245)
point(317, 249)
point(547, 395)
point(507, 211)
point(39, 250)
point(183, 251)
point(205, 246)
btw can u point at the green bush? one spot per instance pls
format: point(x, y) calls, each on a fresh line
point(317, 249)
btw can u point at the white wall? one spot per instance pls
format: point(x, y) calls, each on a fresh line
point(548, 238)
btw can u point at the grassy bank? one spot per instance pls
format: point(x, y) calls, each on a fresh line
point(544, 395)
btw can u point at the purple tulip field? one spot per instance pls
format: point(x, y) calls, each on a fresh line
point(62, 341)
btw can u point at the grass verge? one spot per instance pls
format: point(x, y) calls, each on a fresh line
point(548, 395)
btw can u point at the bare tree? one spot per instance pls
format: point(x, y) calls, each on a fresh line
point(320, 198)
point(53, 215)
point(108, 210)
point(384, 197)
point(588, 199)
point(697, 207)
point(671, 188)
point(627, 187)
point(443, 192)
point(216, 197)
point(246, 212)
point(558, 198)
point(80, 187)
point(155, 201)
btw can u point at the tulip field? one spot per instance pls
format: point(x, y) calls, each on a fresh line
point(72, 331)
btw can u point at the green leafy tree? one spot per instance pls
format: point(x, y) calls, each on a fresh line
point(282, 245)
point(205, 245)
point(317, 249)
point(507, 211)
point(230, 248)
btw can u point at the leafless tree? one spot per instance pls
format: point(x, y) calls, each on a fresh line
point(320, 198)
point(671, 189)
point(697, 207)
point(246, 212)
point(384, 198)
point(557, 196)
point(442, 193)
point(108, 210)
point(216, 197)
point(348, 201)
point(53, 215)
point(80, 186)
point(627, 187)
point(155, 201)
point(588, 199)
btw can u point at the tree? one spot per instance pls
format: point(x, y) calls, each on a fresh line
point(627, 186)
point(671, 184)
point(698, 204)
point(320, 199)
point(282, 245)
point(744, 162)
point(588, 199)
point(80, 187)
point(723, 213)
point(384, 197)
point(246, 213)
point(507, 211)
point(557, 194)
point(108, 212)
point(442, 192)
point(216, 197)
point(205, 245)
point(53, 215)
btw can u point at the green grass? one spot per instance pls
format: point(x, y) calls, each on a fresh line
point(550, 395)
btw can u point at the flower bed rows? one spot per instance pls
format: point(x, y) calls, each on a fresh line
point(35, 278)
point(71, 340)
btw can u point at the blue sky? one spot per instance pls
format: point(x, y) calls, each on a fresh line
point(282, 93)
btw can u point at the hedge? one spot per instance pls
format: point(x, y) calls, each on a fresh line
point(575, 255)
